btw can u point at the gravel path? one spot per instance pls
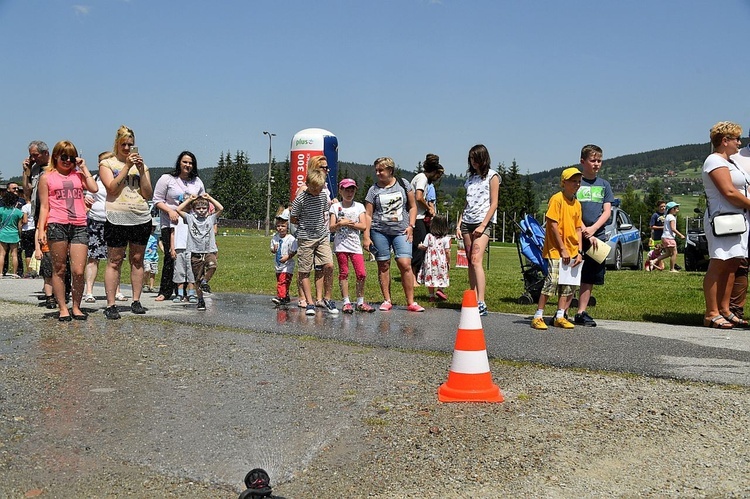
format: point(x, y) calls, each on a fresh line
point(342, 420)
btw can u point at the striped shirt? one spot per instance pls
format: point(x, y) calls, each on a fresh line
point(311, 213)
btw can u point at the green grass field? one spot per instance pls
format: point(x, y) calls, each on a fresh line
point(246, 266)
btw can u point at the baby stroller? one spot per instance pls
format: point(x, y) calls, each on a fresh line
point(529, 243)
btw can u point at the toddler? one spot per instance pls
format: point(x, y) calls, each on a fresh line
point(151, 260)
point(437, 248)
point(284, 247)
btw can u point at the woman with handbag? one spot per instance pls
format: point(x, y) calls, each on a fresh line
point(726, 196)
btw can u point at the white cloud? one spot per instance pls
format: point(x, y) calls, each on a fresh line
point(81, 10)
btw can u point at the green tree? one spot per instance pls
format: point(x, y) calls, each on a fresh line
point(654, 194)
point(233, 185)
point(280, 184)
point(362, 189)
point(529, 196)
point(512, 202)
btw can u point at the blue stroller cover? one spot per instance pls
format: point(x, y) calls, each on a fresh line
point(531, 239)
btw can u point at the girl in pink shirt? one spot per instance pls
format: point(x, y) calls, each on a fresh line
point(62, 222)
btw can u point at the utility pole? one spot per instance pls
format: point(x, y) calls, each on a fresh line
point(268, 194)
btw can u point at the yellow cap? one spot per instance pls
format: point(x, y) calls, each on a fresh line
point(569, 172)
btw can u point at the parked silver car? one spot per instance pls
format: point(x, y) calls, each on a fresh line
point(624, 239)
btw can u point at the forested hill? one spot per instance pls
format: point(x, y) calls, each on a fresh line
point(679, 167)
point(680, 163)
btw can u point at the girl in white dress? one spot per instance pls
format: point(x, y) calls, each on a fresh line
point(437, 248)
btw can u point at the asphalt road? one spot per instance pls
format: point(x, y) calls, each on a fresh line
point(662, 350)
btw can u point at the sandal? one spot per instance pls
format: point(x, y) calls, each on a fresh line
point(718, 322)
point(120, 297)
point(90, 299)
point(160, 298)
point(736, 321)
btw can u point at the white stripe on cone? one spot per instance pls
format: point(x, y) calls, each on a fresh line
point(470, 362)
point(470, 318)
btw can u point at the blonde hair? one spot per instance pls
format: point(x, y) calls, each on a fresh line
point(106, 155)
point(316, 179)
point(386, 162)
point(62, 147)
point(724, 129)
point(314, 162)
point(123, 133)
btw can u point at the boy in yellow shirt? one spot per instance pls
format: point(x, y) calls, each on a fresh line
point(562, 242)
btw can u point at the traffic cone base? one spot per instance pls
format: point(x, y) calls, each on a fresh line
point(473, 393)
point(470, 379)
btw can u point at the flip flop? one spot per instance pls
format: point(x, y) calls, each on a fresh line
point(718, 322)
point(736, 321)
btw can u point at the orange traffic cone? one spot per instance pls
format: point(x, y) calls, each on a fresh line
point(470, 379)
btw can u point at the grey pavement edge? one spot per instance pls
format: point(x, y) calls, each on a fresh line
point(661, 350)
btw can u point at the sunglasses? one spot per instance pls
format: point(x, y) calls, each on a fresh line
point(65, 157)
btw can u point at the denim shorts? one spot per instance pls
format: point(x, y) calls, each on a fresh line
point(384, 242)
point(470, 228)
point(73, 234)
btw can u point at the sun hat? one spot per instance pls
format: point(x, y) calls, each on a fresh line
point(347, 182)
point(671, 205)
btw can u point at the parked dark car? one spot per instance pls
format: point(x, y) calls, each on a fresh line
point(696, 245)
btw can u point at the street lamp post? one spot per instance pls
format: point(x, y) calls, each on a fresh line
point(268, 194)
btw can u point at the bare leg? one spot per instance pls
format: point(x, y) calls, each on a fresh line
point(115, 256)
point(59, 254)
point(407, 278)
point(475, 250)
point(92, 268)
point(384, 278)
point(583, 296)
point(717, 287)
point(137, 252)
point(77, 269)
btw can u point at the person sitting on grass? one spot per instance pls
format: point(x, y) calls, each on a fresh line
point(654, 262)
point(563, 243)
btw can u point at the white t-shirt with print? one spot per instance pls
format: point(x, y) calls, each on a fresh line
point(478, 198)
point(346, 239)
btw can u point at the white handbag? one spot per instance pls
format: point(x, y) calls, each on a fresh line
point(728, 224)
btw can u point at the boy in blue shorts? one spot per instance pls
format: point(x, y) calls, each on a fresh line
point(561, 243)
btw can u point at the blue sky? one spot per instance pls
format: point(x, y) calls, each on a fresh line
point(533, 81)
